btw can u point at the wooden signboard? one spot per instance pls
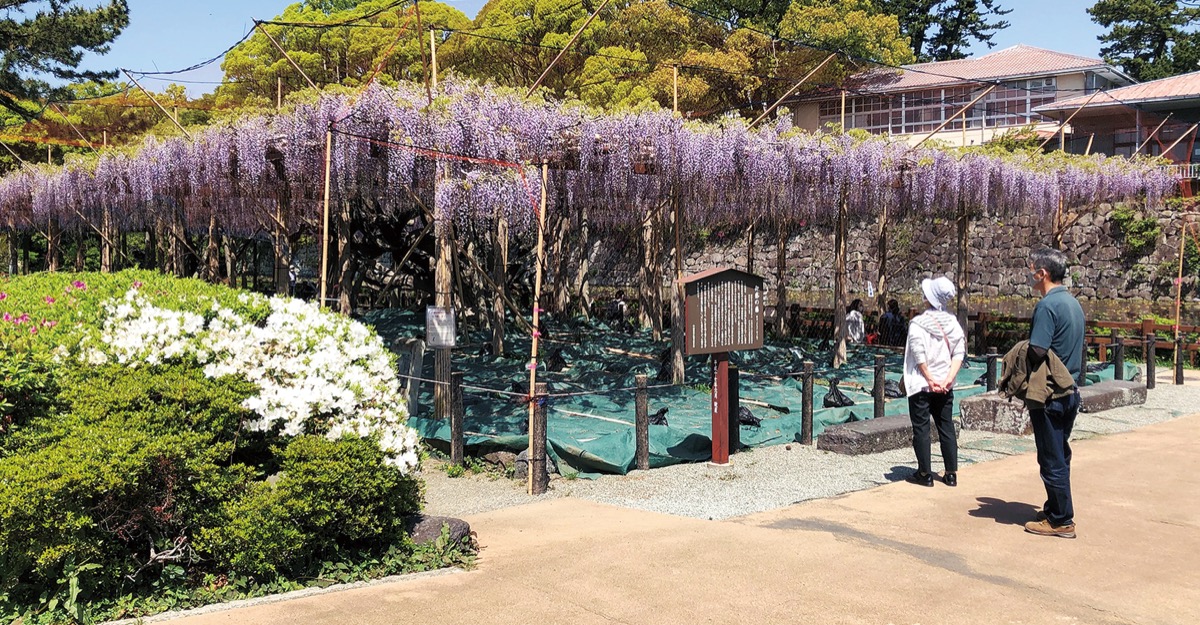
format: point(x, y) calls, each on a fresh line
point(723, 312)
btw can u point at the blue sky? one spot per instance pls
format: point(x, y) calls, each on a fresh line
point(172, 34)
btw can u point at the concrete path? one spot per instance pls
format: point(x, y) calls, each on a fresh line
point(897, 554)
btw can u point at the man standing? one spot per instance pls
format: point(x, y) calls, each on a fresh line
point(1058, 328)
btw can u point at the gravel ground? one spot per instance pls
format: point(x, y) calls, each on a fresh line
point(767, 478)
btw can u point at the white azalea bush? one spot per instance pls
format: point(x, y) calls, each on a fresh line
point(314, 371)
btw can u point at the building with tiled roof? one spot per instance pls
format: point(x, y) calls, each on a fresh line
point(915, 100)
point(1152, 116)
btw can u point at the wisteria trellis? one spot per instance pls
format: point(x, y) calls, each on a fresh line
point(619, 164)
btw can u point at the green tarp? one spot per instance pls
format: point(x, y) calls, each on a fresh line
point(590, 413)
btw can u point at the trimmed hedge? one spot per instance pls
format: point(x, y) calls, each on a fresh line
point(129, 490)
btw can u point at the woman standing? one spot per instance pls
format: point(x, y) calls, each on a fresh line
point(934, 352)
point(855, 330)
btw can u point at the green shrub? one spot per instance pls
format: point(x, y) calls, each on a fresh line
point(27, 389)
point(1138, 233)
point(330, 496)
point(135, 461)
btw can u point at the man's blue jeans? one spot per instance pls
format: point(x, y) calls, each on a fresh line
point(1052, 425)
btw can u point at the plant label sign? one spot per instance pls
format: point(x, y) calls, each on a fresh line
point(723, 311)
point(439, 327)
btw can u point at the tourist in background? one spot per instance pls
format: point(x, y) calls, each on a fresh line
point(855, 328)
point(893, 329)
point(933, 354)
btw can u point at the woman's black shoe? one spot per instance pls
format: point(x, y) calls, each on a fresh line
point(951, 479)
point(921, 479)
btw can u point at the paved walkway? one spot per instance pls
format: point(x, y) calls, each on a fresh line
point(897, 554)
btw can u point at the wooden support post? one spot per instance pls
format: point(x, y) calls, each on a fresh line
point(839, 282)
point(877, 390)
point(1151, 353)
point(279, 92)
point(992, 356)
point(720, 408)
point(981, 334)
point(1179, 360)
point(443, 282)
point(53, 245)
point(806, 414)
point(534, 386)
point(539, 478)
point(325, 219)
point(678, 371)
point(12, 251)
point(961, 282)
point(499, 279)
point(641, 404)
point(734, 412)
point(1118, 355)
point(781, 295)
point(456, 418)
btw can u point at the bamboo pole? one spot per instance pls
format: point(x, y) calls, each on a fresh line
point(156, 103)
point(1151, 135)
point(537, 83)
point(843, 111)
point(325, 218)
point(1089, 145)
point(675, 88)
point(793, 90)
point(955, 115)
point(537, 294)
point(432, 61)
point(1185, 133)
point(424, 60)
point(279, 92)
point(259, 25)
point(1063, 126)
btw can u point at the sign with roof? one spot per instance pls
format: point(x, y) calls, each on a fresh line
point(723, 311)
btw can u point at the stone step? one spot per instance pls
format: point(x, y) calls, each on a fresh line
point(871, 436)
point(1111, 394)
point(990, 412)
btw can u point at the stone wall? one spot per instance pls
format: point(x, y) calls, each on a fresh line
point(1101, 268)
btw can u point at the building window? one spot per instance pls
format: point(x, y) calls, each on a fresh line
point(922, 111)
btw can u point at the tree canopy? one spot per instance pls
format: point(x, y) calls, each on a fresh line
point(942, 30)
point(1149, 39)
point(47, 38)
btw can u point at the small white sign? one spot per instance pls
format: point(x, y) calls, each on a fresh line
point(439, 327)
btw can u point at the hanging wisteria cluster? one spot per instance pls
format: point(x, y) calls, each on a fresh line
point(475, 153)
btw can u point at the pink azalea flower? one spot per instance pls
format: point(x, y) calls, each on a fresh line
point(50, 300)
point(8, 317)
point(33, 329)
point(3, 296)
point(137, 284)
point(48, 323)
point(79, 284)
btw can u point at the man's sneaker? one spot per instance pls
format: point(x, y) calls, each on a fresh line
point(1044, 528)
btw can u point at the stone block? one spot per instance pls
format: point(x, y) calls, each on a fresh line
point(426, 529)
point(991, 412)
point(1111, 394)
point(871, 436)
